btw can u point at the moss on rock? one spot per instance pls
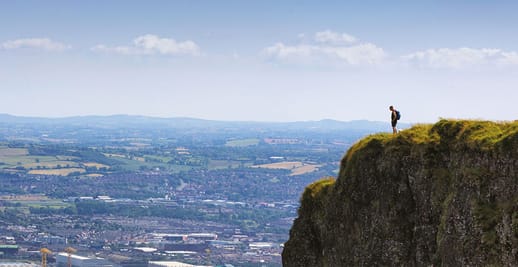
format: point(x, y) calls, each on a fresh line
point(443, 194)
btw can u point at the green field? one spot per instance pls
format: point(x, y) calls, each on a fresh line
point(67, 158)
point(96, 165)
point(137, 165)
point(242, 142)
point(50, 164)
point(24, 202)
point(12, 152)
point(154, 158)
point(51, 204)
point(60, 172)
point(19, 158)
point(35, 162)
point(223, 164)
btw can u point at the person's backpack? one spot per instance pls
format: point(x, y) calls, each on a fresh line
point(398, 115)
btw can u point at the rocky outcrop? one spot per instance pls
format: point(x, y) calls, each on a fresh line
point(433, 195)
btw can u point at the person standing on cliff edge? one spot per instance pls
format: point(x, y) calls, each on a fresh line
point(394, 117)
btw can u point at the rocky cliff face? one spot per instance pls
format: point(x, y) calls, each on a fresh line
point(442, 195)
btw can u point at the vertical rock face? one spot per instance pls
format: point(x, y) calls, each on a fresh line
point(442, 195)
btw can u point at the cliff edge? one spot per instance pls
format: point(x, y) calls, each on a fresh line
point(434, 195)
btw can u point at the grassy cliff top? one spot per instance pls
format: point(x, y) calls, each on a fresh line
point(473, 134)
point(442, 194)
point(443, 136)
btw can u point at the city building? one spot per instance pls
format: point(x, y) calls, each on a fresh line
point(80, 261)
point(203, 236)
point(8, 249)
point(18, 264)
point(172, 264)
point(124, 261)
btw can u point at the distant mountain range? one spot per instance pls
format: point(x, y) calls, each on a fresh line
point(135, 121)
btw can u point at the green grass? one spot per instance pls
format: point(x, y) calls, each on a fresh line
point(369, 141)
point(222, 164)
point(475, 134)
point(50, 164)
point(47, 203)
point(66, 158)
point(315, 188)
point(313, 198)
point(61, 171)
point(243, 142)
point(10, 152)
point(18, 157)
point(419, 134)
point(155, 158)
point(21, 160)
point(51, 204)
point(32, 162)
point(136, 165)
point(479, 135)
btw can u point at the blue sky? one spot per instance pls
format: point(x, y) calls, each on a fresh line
point(260, 60)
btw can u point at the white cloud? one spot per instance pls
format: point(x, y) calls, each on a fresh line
point(334, 49)
point(461, 58)
point(361, 54)
point(35, 43)
point(328, 48)
point(152, 45)
point(125, 50)
point(509, 58)
point(330, 37)
point(282, 51)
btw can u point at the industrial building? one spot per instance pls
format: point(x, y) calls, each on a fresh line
point(172, 264)
point(202, 236)
point(124, 261)
point(8, 249)
point(80, 261)
point(18, 264)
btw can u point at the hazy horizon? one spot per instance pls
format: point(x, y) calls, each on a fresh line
point(260, 61)
point(188, 118)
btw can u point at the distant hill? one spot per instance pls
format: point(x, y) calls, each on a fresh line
point(134, 121)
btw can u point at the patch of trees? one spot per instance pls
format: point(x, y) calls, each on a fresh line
point(94, 156)
point(134, 211)
point(48, 210)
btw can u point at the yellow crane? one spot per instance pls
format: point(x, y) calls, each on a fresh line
point(44, 252)
point(70, 251)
